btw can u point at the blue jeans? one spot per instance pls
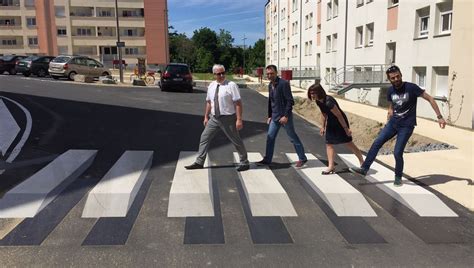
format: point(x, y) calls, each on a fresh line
point(273, 129)
point(389, 131)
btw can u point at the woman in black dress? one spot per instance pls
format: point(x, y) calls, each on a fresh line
point(334, 125)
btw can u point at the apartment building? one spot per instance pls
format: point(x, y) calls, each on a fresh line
point(349, 44)
point(86, 27)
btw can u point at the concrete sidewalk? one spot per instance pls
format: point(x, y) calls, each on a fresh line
point(450, 172)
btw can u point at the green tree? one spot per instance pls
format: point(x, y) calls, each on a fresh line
point(205, 38)
point(256, 55)
point(181, 49)
point(204, 60)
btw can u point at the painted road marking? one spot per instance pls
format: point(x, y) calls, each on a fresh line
point(31, 196)
point(9, 129)
point(265, 195)
point(191, 191)
point(415, 197)
point(340, 196)
point(116, 191)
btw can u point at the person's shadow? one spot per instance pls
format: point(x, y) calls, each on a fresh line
point(440, 179)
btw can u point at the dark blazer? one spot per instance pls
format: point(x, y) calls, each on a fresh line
point(283, 99)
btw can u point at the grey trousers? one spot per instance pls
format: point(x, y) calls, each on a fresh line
point(225, 123)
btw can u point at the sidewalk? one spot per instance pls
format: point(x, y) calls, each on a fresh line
point(447, 171)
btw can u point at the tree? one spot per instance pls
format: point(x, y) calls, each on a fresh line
point(256, 55)
point(181, 49)
point(224, 39)
point(204, 61)
point(205, 38)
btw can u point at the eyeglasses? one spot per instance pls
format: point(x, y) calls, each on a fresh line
point(220, 74)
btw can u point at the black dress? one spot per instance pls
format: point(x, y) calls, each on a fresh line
point(335, 133)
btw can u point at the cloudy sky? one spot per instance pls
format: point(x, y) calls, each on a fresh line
point(238, 17)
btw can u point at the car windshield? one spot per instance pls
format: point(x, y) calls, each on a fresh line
point(30, 58)
point(61, 59)
point(8, 58)
point(177, 69)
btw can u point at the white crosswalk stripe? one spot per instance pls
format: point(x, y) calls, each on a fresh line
point(264, 193)
point(114, 194)
point(191, 190)
point(415, 197)
point(31, 196)
point(343, 199)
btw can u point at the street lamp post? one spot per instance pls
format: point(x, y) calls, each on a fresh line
point(119, 50)
point(245, 38)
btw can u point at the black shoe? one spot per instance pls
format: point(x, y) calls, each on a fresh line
point(398, 181)
point(263, 162)
point(358, 170)
point(243, 167)
point(194, 166)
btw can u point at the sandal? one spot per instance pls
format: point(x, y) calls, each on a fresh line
point(328, 172)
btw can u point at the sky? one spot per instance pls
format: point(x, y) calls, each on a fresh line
point(239, 17)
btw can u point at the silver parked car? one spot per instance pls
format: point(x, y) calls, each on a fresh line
point(69, 66)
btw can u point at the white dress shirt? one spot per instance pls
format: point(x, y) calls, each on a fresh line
point(228, 94)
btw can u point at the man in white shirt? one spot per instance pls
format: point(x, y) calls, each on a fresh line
point(224, 105)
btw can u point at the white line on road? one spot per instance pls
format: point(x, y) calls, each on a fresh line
point(32, 195)
point(413, 196)
point(114, 194)
point(9, 129)
point(344, 199)
point(265, 195)
point(25, 135)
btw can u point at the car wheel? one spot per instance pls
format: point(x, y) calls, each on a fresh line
point(55, 77)
point(163, 88)
point(26, 74)
point(12, 71)
point(190, 89)
point(42, 72)
point(71, 76)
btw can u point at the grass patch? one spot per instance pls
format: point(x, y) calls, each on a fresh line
point(210, 76)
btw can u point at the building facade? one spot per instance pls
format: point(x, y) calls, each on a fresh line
point(86, 27)
point(349, 44)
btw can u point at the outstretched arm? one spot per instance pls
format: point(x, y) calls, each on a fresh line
point(434, 105)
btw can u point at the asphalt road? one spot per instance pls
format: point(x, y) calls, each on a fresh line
point(112, 120)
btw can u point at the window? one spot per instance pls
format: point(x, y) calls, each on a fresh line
point(30, 22)
point(369, 1)
point(446, 22)
point(306, 48)
point(310, 48)
point(131, 51)
point(84, 32)
point(59, 11)
point(105, 13)
point(358, 37)
point(334, 42)
point(275, 55)
point(420, 76)
point(335, 8)
point(440, 79)
point(328, 43)
point(283, 34)
point(369, 34)
point(9, 42)
point(294, 28)
point(282, 56)
point(310, 20)
point(424, 25)
point(29, 3)
point(294, 5)
point(392, 3)
point(282, 14)
point(33, 41)
point(275, 19)
point(360, 3)
point(62, 32)
point(329, 11)
point(275, 38)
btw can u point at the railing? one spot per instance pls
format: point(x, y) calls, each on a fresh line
point(304, 73)
point(357, 74)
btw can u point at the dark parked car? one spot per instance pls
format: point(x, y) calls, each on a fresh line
point(8, 63)
point(37, 65)
point(176, 76)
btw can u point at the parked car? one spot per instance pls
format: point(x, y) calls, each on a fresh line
point(8, 63)
point(176, 76)
point(37, 65)
point(69, 66)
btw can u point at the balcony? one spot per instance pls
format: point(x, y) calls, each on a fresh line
point(10, 22)
point(14, 4)
point(81, 12)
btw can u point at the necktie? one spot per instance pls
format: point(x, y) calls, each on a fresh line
point(217, 111)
